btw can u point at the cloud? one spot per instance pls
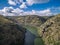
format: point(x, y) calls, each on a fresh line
point(11, 2)
point(18, 1)
point(46, 12)
point(1, 12)
point(31, 2)
point(14, 2)
point(7, 9)
point(23, 5)
point(55, 10)
point(28, 2)
point(17, 11)
point(10, 11)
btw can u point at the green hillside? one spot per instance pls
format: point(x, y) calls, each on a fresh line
point(50, 31)
point(11, 33)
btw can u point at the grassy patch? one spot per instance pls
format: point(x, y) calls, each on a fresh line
point(32, 29)
point(38, 41)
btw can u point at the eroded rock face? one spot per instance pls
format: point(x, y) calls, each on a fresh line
point(50, 31)
point(11, 33)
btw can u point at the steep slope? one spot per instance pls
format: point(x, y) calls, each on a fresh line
point(11, 33)
point(31, 20)
point(50, 31)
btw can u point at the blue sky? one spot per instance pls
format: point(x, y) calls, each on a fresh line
point(29, 5)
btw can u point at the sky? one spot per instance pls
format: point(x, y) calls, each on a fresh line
point(29, 7)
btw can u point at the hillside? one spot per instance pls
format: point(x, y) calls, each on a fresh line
point(31, 23)
point(11, 33)
point(50, 31)
point(31, 20)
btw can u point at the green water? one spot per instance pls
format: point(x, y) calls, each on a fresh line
point(33, 30)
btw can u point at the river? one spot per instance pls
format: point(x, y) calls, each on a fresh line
point(29, 38)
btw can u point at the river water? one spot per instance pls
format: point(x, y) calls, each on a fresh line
point(29, 38)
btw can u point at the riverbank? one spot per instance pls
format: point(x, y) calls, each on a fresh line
point(32, 37)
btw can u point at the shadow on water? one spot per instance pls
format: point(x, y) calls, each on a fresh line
point(29, 38)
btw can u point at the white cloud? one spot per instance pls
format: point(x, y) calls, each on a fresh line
point(18, 1)
point(31, 2)
point(17, 11)
point(55, 10)
point(1, 12)
point(23, 5)
point(10, 11)
point(46, 12)
point(11, 2)
point(14, 2)
point(7, 9)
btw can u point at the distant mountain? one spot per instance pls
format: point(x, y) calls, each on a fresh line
point(32, 20)
point(50, 31)
point(10, 32)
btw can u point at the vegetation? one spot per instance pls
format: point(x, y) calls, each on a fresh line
point(31, 20)
point(46, 29)
point(50, 31)
point(32, 29)
point(38, 41)
point(11, 33)
point(31, 23)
